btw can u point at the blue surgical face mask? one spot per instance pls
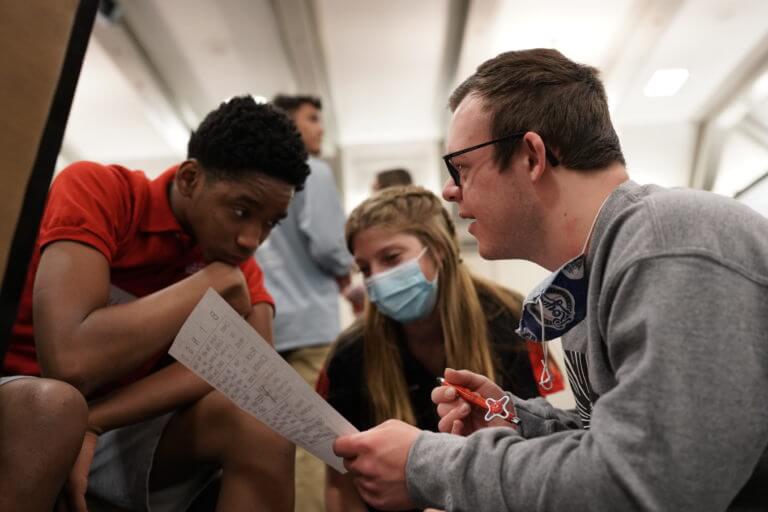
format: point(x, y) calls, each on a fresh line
point(403, 293)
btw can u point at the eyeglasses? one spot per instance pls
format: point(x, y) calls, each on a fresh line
point(454, 171)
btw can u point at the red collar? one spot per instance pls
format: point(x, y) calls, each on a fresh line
point(160, 217)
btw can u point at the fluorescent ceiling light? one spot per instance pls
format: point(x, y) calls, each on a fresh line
point(759, 89)
point(665, 82)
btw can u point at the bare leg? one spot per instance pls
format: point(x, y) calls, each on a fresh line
point(42, 423)
point(310, 471)
point(257, 463)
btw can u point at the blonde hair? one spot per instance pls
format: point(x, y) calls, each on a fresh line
point(417, 211)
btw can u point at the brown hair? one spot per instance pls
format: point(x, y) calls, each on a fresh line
point(392, 178)
point(541, 90)
point(417, 211)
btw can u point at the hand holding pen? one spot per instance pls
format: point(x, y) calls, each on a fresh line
point(458, 416)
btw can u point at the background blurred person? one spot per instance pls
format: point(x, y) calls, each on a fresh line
point(391, 178)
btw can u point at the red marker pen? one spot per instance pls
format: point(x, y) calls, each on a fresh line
point(493, 408)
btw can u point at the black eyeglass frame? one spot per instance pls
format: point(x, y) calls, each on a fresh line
point(454, 172)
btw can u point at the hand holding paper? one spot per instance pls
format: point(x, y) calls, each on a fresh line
point(219, 346)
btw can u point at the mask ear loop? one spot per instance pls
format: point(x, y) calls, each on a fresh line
point(545, 380)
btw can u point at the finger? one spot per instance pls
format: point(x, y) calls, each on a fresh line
point(80, 505)
point(366, 484)
point(368, 489)
point(349, 465)
point(465, 378)
point(345, 447)
point(444, 394)
point(457, 428)
point(457, 407)
point(458, 414)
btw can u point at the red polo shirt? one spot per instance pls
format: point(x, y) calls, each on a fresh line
point(127, 218)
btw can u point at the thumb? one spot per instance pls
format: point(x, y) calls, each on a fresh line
point(345, 447)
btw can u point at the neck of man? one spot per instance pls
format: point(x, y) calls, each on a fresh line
point(567, 222)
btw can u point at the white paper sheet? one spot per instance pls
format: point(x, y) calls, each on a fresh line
point(222, 348)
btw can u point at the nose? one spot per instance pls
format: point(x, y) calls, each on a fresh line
point(250, 238)
point(451, 192)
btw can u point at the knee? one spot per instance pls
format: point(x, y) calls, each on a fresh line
point(54, 406)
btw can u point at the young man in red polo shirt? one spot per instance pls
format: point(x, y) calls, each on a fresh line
point(120, 263)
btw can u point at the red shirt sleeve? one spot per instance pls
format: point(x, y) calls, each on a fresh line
point(323, 384)
point(255, 278)
point(87, 203)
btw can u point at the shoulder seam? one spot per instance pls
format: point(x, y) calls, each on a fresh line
point(685, 253)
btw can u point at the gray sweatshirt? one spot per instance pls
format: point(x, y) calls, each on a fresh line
point(669, 368)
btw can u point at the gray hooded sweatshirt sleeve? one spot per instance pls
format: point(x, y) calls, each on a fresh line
point(676, 359)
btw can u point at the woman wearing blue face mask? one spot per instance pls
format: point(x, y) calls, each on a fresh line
point(425, 312)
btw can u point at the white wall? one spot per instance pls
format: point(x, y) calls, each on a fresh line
point(361, 162)
point(659, 153)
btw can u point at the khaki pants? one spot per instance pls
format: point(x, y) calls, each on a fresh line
point(310, 471)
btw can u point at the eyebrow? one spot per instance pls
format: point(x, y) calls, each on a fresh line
point(394, 245)
point(247, 199)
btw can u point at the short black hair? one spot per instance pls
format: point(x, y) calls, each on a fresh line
point(291, 104)
point(243, 136)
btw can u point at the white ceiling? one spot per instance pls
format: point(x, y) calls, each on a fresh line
point(384, 70)
point(383, 63)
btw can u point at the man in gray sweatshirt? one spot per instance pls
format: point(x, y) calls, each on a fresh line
point(660, 297)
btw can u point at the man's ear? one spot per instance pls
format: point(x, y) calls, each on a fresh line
point(189, 175)
point(536, 153)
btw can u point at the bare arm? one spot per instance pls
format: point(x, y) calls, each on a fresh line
point(158, 393)
point(340, 493)
point(260, 319)
point(83, 341)
point(162, 391)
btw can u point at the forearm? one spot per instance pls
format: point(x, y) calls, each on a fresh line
point(539, 418)
point(260, 318)
point(161, 392)
point(112, 341)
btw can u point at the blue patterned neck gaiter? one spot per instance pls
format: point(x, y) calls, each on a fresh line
point(557, 304)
